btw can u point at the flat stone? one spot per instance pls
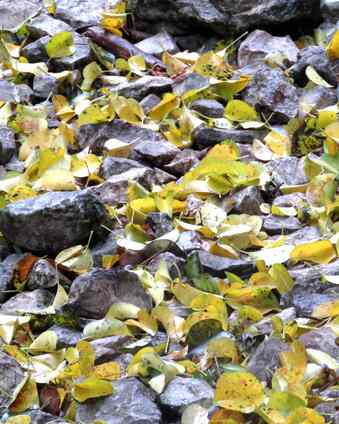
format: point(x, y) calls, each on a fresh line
point(159, 224)
point(44, 86)
point(175, 264)
point(271, 93)
point(247, 200)
point(323, 339)
point(158, 44)
point(12, 378)
point(305, 235)
point(189, 240)
point(144, 86)
point(274, 225)
point(306, 301)
point(181, 392)
point(159, 152)
point(260, 45)
point(109, 348)
point(67, 337)
point(43, 275)
point(106, 247)
point(33, 302)
point(45, 24)
point(316, 57)
point(14, 93)
point(265, 359)
point(7, 273)
point(36, 51)
point(14, 15)
point(53, 221)
point(7, 144)
point(183, 162)
point(92, 294)
point(217, 266)
point(149, 102)
point(287, 171)
point(114, 166)
point(318, 97)
point(131, 403)
point(208, 107)
point(204, 136)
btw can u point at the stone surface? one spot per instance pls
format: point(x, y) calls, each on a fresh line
point(13, 15)
point(81, 57)
point(287, 171)
point(44, 86)
point(330, 9)
point(12, 377)
point(265, 359)
point(13, 93)
point(158, 44)
point(159, 224)
point(33, 302)
point(318, 97)
point(175, 264)
point(323, 339)
point(53, 221)
point(132, 403)
point(183, 162)
point(109, 348)
point(7, 144)
point(7, 273)
point(105, 247)
point(67, 337)
point(316, 57)
point(218, 265)
point(181, 392)
point(274, 225)
point(208, 107)
point(44, 275)
point(92, 294)
point(158, 152)
point(247, 200)
point(180, 16)
point(260, 45)
point(271, 93)
point(45, 24)
point(144, 86)
point(149, 102)
point(204, 136)
point(189, 240)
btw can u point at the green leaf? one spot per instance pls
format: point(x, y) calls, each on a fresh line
point(61, 45)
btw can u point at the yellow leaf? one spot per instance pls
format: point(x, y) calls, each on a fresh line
point(108, 371)
point(90, 73)
point(46, 342)
point(333, 47)
point(61, 45)
point(90, 388)
point(222, 416)
point(19, 419)
point(223, 347)
point(282, 278)
point(168, 104)
point(28, 398)
point(326, 310)
point(239, 111)
point(279, 143)
point(59, 180)
point(305, 416)
point(319, 252)
point(239, 391)
point(86, 357)
point(94, 114)
point(62, 108)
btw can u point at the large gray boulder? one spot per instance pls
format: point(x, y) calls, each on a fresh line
point(131, 403)
point(177, 16)
point(53, 221)
point(15, 14)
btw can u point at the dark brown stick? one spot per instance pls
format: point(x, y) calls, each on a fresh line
point(121, 47)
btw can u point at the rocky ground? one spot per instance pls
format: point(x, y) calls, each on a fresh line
point(169, 212)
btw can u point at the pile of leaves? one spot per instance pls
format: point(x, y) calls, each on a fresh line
point(211, 318)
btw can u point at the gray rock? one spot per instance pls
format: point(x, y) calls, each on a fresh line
point(109, 348)
point(7, 273)
point(189, 240)
point(7, 144)
point(81, 13)
point(319, 97)
point(271, 93)
point(5, 249)
point(288, 200)
point(36, 51)
point(159, 152)
point(34, 302)
point(174, 264)
point(131, 403)
point(323, 339)
point(329, 410)
point(265, 326)
point(204, 136)
point(43, 275)
point(179, 16)
point(12, 377)
point(287, 171)
point(92, 294)
point(260, 45)
point(44, 85)
point(13, 15)
point(67, 337)
point(183, 162)
point(247, 200)
point(274, 225)
point(158, 44)
point(114, 166)
point(159, 223)
point(190, 82)
point(316, 57)
point(143, 87)
point(265, 359)
point(94, 136)
point(217, 266)
point(309, 277)
point(305, 235)
point(306, 301)
point(149, 102)
point(181, 392)
point(39, 417)
point(81, 57)
point(107, 247)
point(45, 24)
point(330, 9)
point(208, 107)
point(13, 93)
point(53, 221)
